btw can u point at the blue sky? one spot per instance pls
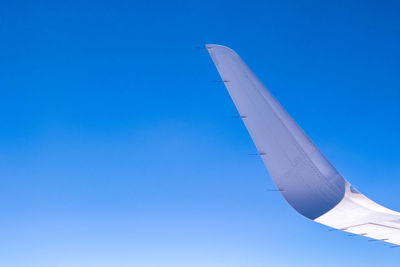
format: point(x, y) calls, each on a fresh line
point(118, 149)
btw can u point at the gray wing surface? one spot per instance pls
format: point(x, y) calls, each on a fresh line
point(306, 179)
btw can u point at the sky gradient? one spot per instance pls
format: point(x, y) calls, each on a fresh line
point(119, 149)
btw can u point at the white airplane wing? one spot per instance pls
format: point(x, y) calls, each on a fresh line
point(306, 179)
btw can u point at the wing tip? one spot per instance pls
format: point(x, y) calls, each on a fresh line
point(211, 46)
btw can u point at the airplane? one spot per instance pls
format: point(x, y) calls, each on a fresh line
point(302, 174)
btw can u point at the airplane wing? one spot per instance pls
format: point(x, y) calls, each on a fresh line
point(305, 178)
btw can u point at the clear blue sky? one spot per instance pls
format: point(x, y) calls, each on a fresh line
point(118, 149)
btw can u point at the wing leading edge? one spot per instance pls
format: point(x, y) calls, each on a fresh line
point(305, 178)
